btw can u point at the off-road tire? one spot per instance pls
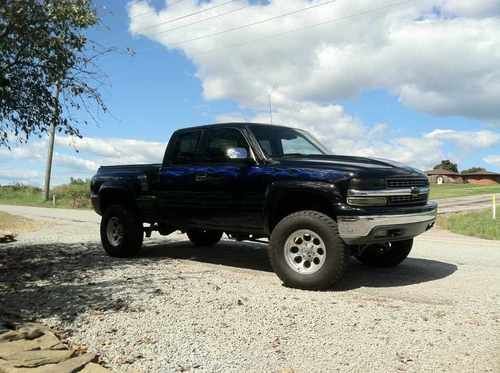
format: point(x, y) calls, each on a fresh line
point(133, 233)
point(201, 237)
point(375, 257)
point(337, 253)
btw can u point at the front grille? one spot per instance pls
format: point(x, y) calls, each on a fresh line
point(407, 182)
point(408, 200)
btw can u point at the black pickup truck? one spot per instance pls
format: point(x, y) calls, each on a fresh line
point(256, 181)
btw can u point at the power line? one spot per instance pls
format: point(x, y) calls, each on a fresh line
point(253, 23)
point(338, 19)
point(203, 20)
point(184, 16)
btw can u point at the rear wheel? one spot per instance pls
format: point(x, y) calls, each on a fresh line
point(386, 255)
point(306, 251)
point(201, 237)
point(121, 232)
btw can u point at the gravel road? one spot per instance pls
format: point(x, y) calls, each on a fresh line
point(177, 308)
point(468, 203)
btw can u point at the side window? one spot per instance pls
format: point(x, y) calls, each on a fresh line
point(219, 140)
point(185, 147)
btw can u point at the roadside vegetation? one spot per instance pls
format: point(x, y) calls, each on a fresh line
point(461, 190)
point(477, 223)
point(75, 194)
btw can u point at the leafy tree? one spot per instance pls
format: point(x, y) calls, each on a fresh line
point(473, 170)
point(43, 46)
point(447, 165)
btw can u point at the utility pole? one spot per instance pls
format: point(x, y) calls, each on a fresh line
point(52, 134)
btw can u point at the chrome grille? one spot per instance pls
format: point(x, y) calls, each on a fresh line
point(408, 200)
point(406, 182)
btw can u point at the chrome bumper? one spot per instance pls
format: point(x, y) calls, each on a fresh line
point(374, 228)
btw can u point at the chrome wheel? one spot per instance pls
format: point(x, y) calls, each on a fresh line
point(114, 231)
point(305, 251)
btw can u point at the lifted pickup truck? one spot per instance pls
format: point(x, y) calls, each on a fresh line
point(256, 181)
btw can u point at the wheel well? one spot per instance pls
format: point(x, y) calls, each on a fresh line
point(291, 202)
point(110, 197)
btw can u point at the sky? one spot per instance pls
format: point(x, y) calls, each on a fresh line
point(413, 81)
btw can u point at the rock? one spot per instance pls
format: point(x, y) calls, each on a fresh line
point(28, 331)
point(44, 342)
point(59, 346)
point(7, 237)
point(94, 368)
point(31, 359)
point(71, 365)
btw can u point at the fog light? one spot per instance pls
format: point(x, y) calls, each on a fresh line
point(367, 201)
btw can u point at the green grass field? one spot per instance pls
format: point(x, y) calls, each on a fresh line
point(72, 195)
point(477, 223)
point(460, 190)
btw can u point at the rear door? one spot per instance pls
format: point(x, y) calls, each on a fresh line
point(179, 198)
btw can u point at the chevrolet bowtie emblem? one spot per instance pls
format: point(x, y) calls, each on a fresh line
point(415, 191)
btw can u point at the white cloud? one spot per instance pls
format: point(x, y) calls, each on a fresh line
point(475, 8)
point(439, 56)
point(74, 157)
point(467, 140)
point(493, 160)
point(343, 134)
point(10, 176)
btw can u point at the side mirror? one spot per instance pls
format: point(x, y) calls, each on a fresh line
point(237, 153)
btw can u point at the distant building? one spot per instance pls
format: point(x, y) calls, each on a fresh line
point(442, 176)
point(482, 178)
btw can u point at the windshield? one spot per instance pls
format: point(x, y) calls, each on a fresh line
point(279, 142)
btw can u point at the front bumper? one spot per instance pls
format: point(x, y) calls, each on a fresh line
point(367, 229)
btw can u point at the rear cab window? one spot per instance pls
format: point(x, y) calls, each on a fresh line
point(184, 148)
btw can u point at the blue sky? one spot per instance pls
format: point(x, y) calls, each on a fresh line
point(415, 82)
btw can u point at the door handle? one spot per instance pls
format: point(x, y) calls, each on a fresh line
point(201, 177)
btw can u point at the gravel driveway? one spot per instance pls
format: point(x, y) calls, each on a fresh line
point(177, 308)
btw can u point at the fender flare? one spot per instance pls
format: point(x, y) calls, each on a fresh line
point(119, 191)
point(277, 190)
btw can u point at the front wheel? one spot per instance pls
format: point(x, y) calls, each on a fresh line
point(306, 251)
point(386, 255)
point(201, 237)
point(121, 232)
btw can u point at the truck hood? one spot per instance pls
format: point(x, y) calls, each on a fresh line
point(358, 166)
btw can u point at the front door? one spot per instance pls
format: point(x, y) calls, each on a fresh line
point(223, 181)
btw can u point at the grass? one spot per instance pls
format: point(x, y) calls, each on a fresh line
point(477, 223)
point(461, 190)
point(72, 195)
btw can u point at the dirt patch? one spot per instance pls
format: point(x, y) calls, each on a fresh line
point(17, 224)
point(12, 225)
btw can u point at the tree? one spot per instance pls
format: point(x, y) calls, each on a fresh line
point(473, 170)
point(42, 45)
point(447, 165)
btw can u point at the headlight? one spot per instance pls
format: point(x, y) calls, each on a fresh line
point(367, 201)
